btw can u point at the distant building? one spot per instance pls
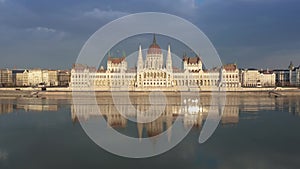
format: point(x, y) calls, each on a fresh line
point(297, 76)
point(250, 78)
point(282, 77)
point(256, 78)
point(267, 78)
point(45, 77)
point(6, 78)
point(14, 73)
point(21, 78)
point(52, 78)
point(64, 78)
point(35, 77)
point(288, 77)
point(294, 75)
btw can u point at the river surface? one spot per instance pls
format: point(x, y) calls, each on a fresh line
point(253, 133)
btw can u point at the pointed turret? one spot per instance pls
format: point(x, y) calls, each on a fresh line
point(140, 60)
point(169, 59)
point(291, 66)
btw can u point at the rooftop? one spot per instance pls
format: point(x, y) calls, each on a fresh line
point(154, 48)
point(192, 60)
point(116, 60)
point(230, 67)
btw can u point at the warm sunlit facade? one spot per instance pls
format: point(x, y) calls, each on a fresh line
point(153, 74)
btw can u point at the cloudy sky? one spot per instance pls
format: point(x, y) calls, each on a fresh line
point(50, 34)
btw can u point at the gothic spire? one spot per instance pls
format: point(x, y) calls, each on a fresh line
point(169, 59)
point(140, 59)
point(154, 39)
point(291, 66)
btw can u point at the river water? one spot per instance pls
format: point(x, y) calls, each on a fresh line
point(253, 133)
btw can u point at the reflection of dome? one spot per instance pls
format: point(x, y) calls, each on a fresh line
point(154, 48)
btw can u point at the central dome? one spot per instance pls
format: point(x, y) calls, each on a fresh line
point(154, 47)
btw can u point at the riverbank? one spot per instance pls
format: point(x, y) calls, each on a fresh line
point(67, 92)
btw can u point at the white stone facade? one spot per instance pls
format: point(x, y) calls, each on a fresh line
point(267, 79)
point(250, 78)
point(6, 78)
point(39, 76)
point(22, 78)
point(256, 78)
point(153, 74)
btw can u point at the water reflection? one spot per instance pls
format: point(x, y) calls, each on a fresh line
point(192, 111)
point(253, 133)
point(8, 105)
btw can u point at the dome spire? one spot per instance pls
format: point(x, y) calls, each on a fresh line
point(154, 39)
point(154, 48)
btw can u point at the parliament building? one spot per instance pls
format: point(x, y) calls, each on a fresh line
point(152, 74)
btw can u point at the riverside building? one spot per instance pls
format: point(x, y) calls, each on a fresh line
point(153, 74)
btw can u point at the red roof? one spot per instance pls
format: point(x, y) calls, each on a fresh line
point(116, 60)
point(230, 67)
point(191, 60)
point(154, 48)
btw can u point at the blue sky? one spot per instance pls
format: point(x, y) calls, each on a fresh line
point(50, 34)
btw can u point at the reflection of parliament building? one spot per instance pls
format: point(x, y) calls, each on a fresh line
point(6, 108)
point(152, 73)
point(191, 111)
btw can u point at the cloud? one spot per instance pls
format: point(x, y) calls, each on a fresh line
point(44, 32)
point(41, 29)
point(245, 31)
point(104, 14)
point(2, 1)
